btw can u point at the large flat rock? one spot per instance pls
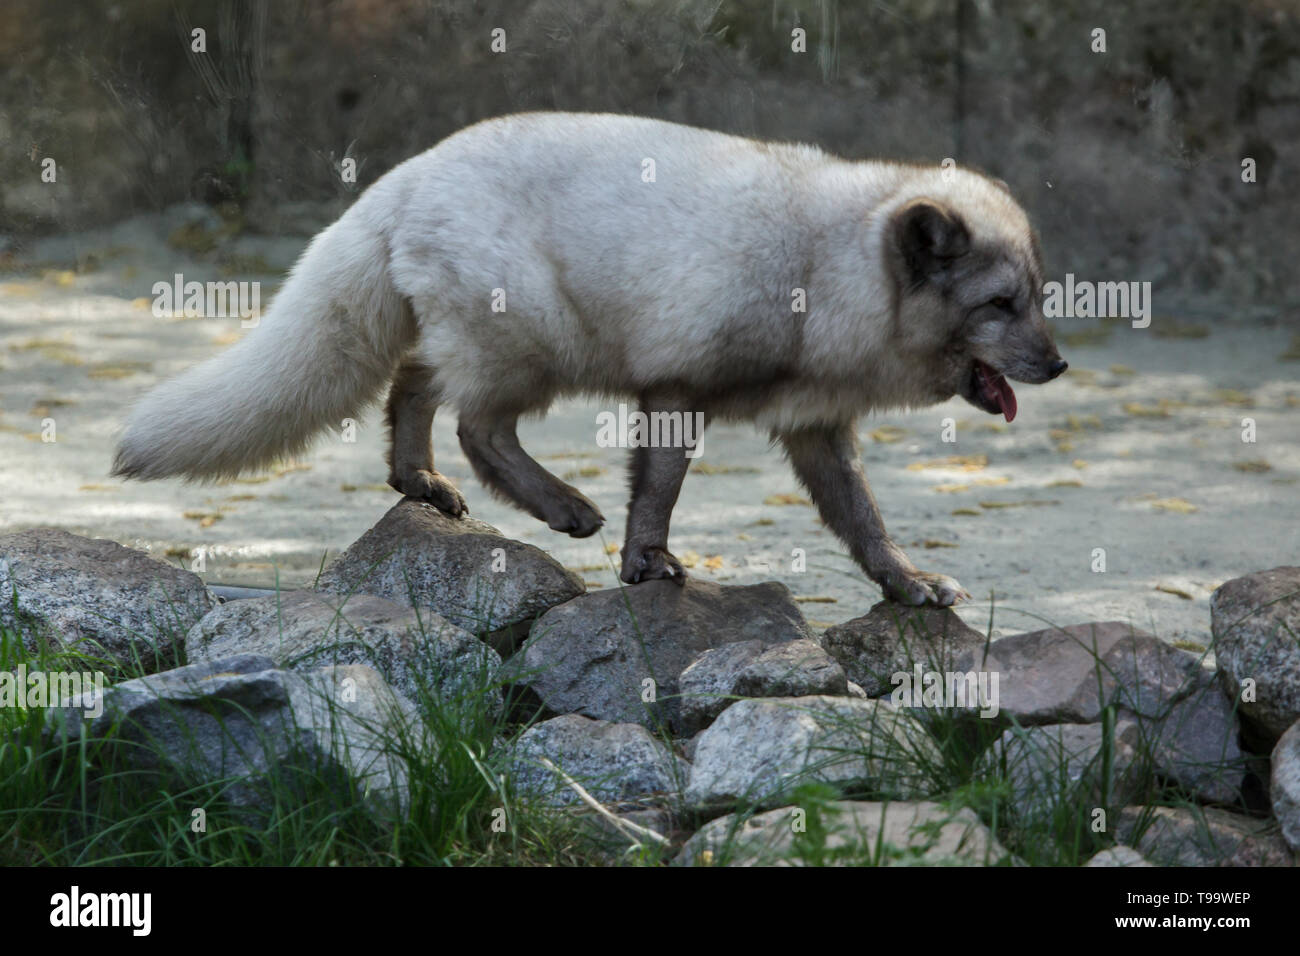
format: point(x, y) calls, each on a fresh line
point(1068, 675)
point(891, 638)
point(615, 763)
point(758, 751)
point(96, 597)
point(414, 652)
point(466, 570)
point(617, 654)
point(256, 731)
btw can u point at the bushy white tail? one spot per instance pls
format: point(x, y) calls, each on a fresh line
point(330, 341)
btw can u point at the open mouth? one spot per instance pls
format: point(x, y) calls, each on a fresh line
point(991, 391)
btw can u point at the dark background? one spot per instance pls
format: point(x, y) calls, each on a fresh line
point(1129, 161)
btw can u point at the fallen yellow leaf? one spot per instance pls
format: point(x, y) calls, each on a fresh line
point(955, 462)
point(786, 499)
point(1078, 423)
point(704, 468)
point(1166, 328)
point(1255, 466)
point(111, 372)
point(1138, 410)
point(887, 434)
point(206, 519)
point(586, 471)
point(1230, 396)
point(1029, 503)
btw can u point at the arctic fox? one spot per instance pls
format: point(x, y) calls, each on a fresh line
point(540, 255)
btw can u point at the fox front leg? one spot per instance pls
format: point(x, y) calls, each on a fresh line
point(656, 475)
point(826, 461)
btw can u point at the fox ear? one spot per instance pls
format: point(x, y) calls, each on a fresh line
point(928, 236)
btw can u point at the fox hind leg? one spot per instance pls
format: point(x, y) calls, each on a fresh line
point(412, 401)
point(493, 450)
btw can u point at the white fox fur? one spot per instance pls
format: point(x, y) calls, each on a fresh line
point(329, 343)
point(611, 284)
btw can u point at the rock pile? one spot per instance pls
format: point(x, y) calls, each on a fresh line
point(701, 709)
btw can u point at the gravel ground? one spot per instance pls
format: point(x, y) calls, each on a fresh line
point(1137, 451)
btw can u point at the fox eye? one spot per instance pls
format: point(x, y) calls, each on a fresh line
point(1004, 303)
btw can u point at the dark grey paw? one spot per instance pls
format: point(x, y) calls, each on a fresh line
point(650, 564)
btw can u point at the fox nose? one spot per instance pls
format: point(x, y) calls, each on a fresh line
point(1057, 367)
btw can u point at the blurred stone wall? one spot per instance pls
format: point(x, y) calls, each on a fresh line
point(1129, 160)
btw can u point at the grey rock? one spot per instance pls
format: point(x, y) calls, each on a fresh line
point(746, 669)
point(1117, 856)
point(1063, 762)
point(1068, 675)
point(1256, 625)
point(759, 750)
point(305, 629)
point(855, 690)
point(243, 721)
point(707, 686)
point(856, 832)
point(1284, 789)
point(617, 654)
point(615, 763)
point(1196, 743)
point(1204, 836)
point(96, 597)
point(466, 570)
point(892, 637)
point(795, 669)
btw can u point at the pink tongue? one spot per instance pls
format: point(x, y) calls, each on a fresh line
point(1006, 398)
point(996, 387)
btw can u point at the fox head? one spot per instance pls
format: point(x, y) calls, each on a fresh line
point(969, 279)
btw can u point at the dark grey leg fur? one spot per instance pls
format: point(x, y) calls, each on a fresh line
point(656, 477)
point(826, 461)
point(493, 450)
point(412, 401)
